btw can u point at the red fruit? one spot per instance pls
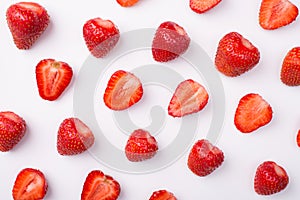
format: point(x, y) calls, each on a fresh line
point(140, 146)
point(169, 42)
point(236, 55)
point(98, 186)
point(100, 36)
point(270, 178)
point(204, 158)
point(162, 195)
point(123, 90)
point(26, 21)
point(274, 14)
point(290, 71)
point(30, 184)
point(52, 78)
point(201, 6)
point(127, 3)
point(298, 138)
point(189, 97)
point(12, 130)
point(252, 113)
point(74, 137)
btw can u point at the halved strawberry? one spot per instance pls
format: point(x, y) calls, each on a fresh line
point(162, 195)
point(52, 78)
point(30, 184)
point(12, 130)
point(123, 90)
point(98, 186)
point(74, 137)
point(290, 71)
point(252, 113)
point(140, 146)
point(298, 138)
point(127, 3)
point(26, 21)
point(189, 97)
point(201, 6)
point(274, 14)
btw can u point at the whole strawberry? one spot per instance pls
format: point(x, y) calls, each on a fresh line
point(290, 71)
point(236, 55)
point(12, 130)
point(27, 21)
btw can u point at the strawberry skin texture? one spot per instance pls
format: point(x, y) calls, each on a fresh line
point(127, 3)
point(162, 195)
point(236, 55)
point(204, 158)
point(12, 130)
point(100, 36)
point(270, 178)
point(99, 186)
point(27, 21)
point(170, 41)
point(290, 71)
point(201, 6)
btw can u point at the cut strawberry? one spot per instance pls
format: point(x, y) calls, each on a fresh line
point(123, 90)
point(298, 138)
point(201, 6)
point(99, 186)
point(127, 3)
point(290, 71)
point(252, 113)
point(162, 195)
point(189, 97)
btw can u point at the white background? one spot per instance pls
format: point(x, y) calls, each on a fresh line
point(243, 153)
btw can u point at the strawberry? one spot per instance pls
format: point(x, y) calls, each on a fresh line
point(162, 195)
point(27, 21)
point(127, 3)
point(100, 36)
point(169, 42)
point(201, 6)
point(189, 97)
point(298, 138)
point(290, 71)
point(274, 14)
point(252, 113)
point(52, 78)
point(123, 90)
point(204, 158)
point(30, 184)
point(140, 146)
point(236, 55)
point(74, 137)
point(270, 178)
point(12, 130)
point(98, 186)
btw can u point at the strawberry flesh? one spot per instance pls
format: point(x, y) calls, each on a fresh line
point(201, 6)
point(290, 71)
point(127, 3)
point(162, 195)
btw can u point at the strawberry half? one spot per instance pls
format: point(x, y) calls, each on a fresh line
point(201, 6)
point(30, 184)
point(204, 158)
point(100, 36)
point(290, 71)
point(127, 3)
point(270, 178)
point(98, 186)
point(236, 55)
point(12, 130)
point(189, 97)
point(274, 14)
point(140, 146)
point(74, 137)
point(123, 90)
point(298, 138)
point(252, 113)
point(52, 77)
point(170, 41)
point(162, 195)
point(27, 21)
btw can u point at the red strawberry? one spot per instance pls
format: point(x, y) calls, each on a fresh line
point(201, 6)
point(74, 137)
point(127, 3)
point(236, 55)
point(26, 21)
point(270, 178)
point(298, 138)
point(140, 146)
point(290, 71)
point(189, 97)
point(274, 14)
point(123, 90)
point(162, 195)
point(98, 186)
point(52, 78)
point(12, 130)
point(204, 158)
point(100, 36)
point(169, 42)
point(30, 184)
point(252, 113)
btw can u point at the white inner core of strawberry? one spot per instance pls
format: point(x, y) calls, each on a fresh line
point(82, 128)
point(246, 43)
point(279, 170)
point(104, 23)
point(179, 30)
point(36, 181)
